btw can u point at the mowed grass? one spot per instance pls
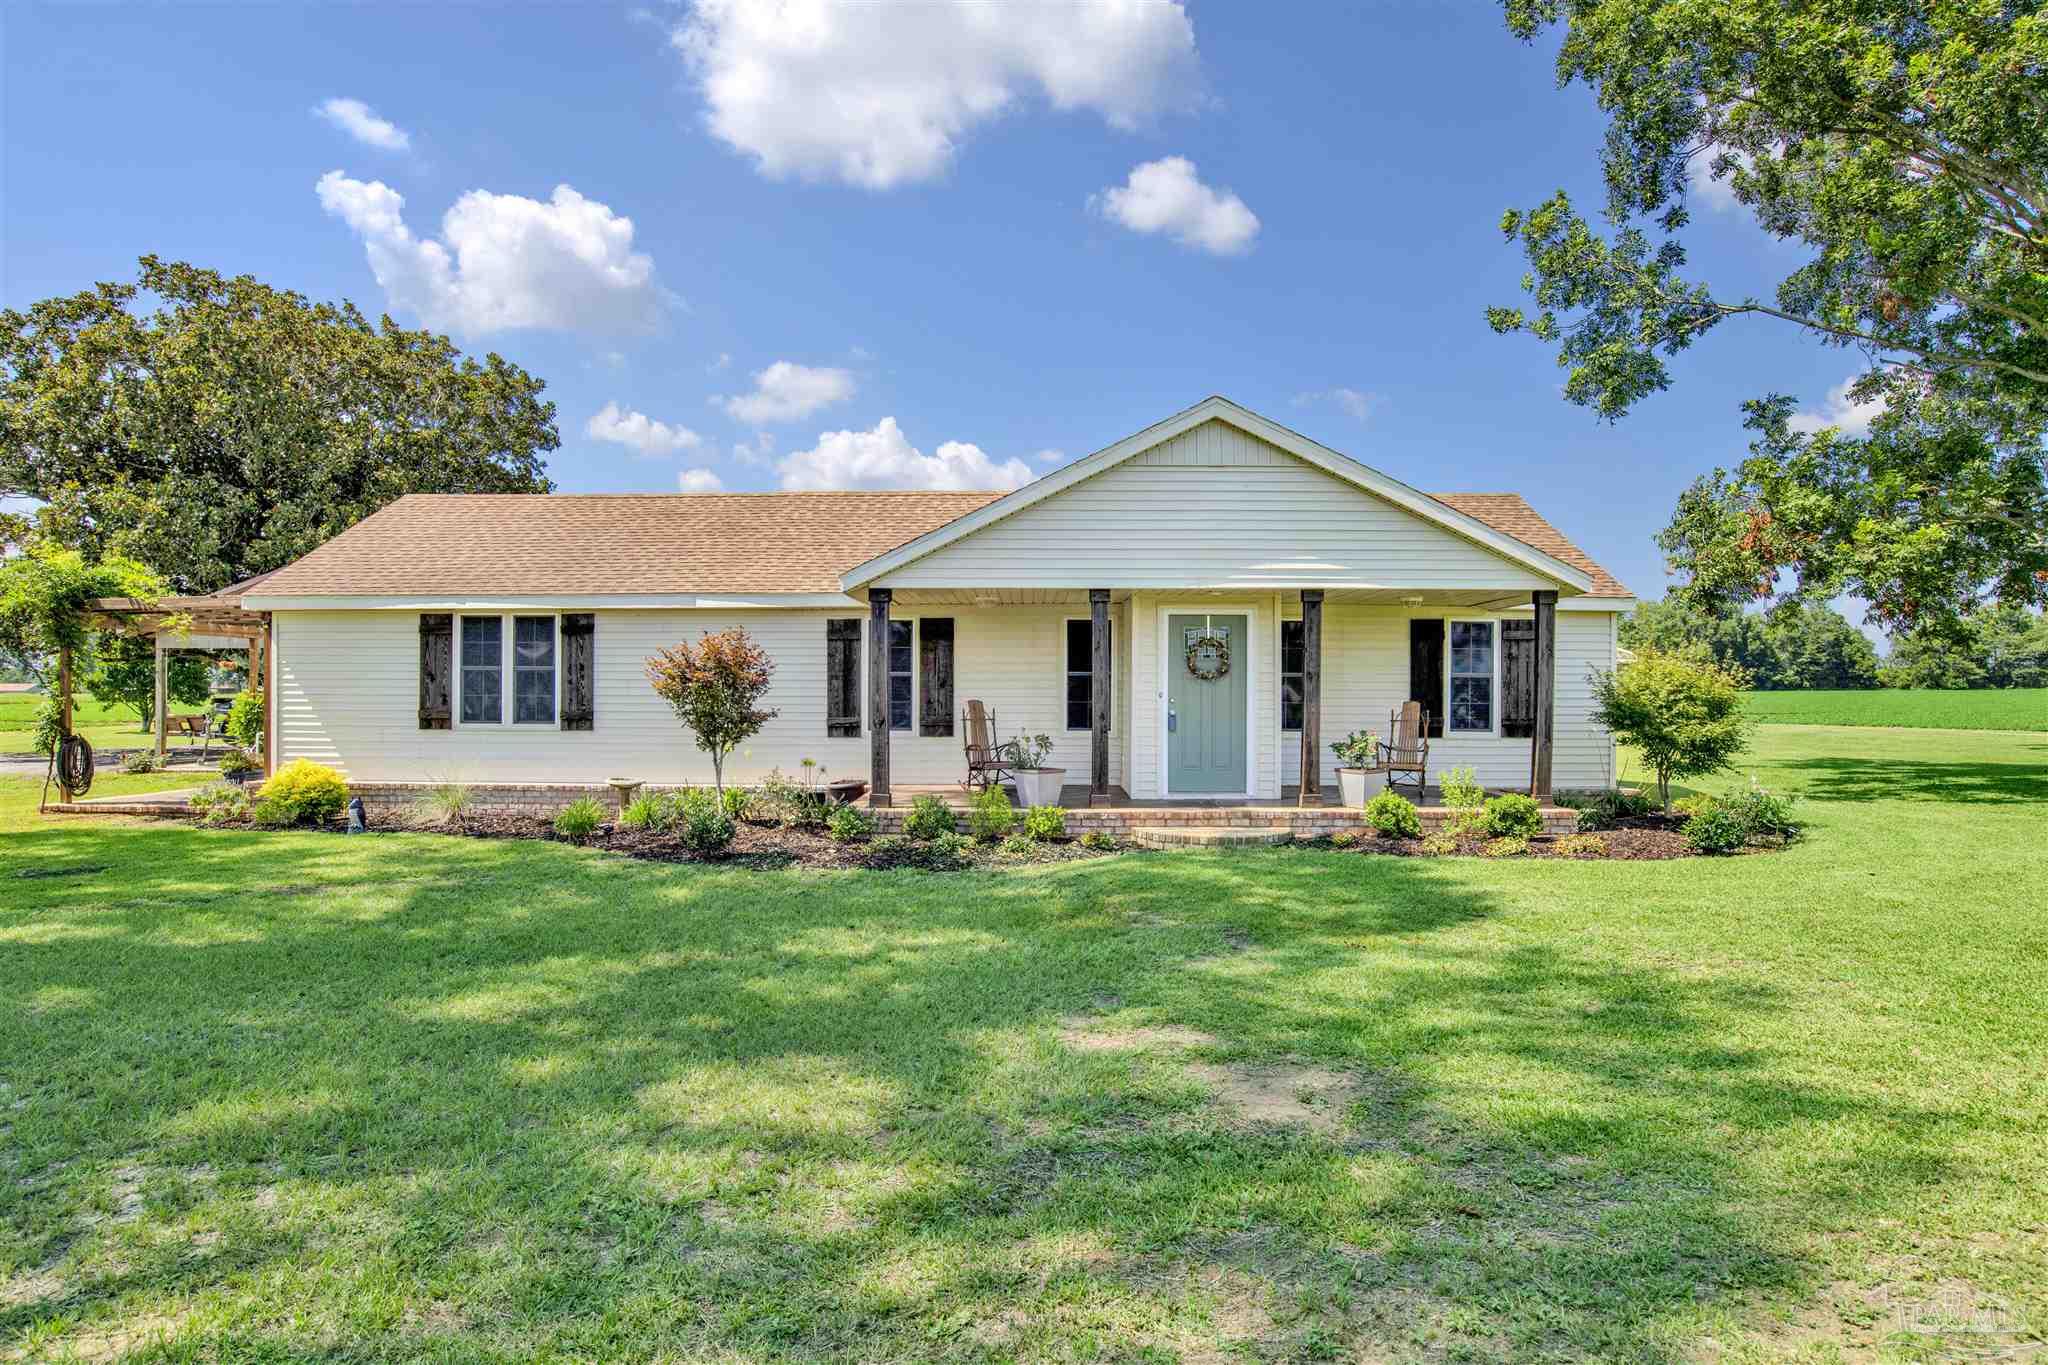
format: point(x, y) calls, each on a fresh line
point(407, 1098)
point(2008, 708)
point(104, 727)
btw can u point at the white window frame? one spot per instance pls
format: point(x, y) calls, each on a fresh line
point(507, 672)
point(889, 675)
point(1066, 673)
point(1281, 675)
point(1492, 623)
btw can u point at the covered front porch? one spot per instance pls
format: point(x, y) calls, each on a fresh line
point(1248, 725)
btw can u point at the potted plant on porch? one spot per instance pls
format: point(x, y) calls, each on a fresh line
point(1356, 754)
point(239, 766)
point(1037, 785)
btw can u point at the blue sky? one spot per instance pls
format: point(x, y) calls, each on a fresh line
point(935, 246)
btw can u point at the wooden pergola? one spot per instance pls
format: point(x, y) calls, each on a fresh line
point(207, 623)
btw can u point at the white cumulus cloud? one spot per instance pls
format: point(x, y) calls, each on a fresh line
point(1167, 196)
point(884, 458)
point(699, 481)
point(360, 122)
point(881, 95)
point(503, 261)
point(1841, 410)
point(788, 392)
point(1356, 403)
point(638, 430)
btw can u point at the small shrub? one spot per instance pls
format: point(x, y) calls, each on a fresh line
point(941, 854)
point(1581, 846)
point(141, 761)
point(791, 804)
point(1393, 816)
point(1765, 814)
point(948, 851)
point(642, 812)
point(1697, 804)
point(850, 825)
point(579, 819)
point(447, 804)
point(268, 812)
point(1460, 791)
point(1359, 749)
point(737, 802)
point(1715, 830)
point(1043, 824)
point(307, 791)
point(1513, 817)
point(239, 763)
point(1018, 846)
point(245, 719)
point(1508, 846)
point(1102, 841)
point(928, 818)
point(1439, 843)
point(1607, 809)
point(991, 816)
point(702, 824)
point(217, 803)
point(1344, 838)
point(1470, 820)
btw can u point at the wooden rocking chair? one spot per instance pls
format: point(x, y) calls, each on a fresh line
point(1404, 754)
point(985, 766)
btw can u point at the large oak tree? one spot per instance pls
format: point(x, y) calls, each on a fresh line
point(214, 428)
point(1904, 146)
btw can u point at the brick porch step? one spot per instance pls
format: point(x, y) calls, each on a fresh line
point(1197, 836)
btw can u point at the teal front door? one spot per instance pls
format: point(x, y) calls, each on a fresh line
point(1208, 658)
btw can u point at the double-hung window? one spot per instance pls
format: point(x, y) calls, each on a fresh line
point(533, 670)
point(1080, 656)
point(1472, 677)
point(483, 670)
point(902, 675)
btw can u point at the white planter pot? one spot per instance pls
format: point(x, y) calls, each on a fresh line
point(1351, 784)
point(1039, 786)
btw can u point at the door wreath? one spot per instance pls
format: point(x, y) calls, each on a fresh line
point(1208, 657)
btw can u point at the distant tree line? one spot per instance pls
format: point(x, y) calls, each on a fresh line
point(1798, 646)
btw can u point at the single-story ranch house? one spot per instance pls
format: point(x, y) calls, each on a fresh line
point(501, 640)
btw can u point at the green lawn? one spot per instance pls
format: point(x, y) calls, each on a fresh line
point(2011, 708)
point(410, 1097)
point(104, 727)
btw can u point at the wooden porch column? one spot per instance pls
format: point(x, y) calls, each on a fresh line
point(878, 696)
point(1098, 696)
point(163, 696)
point(63, 712)
point(1546, 693)
point(1311, 697)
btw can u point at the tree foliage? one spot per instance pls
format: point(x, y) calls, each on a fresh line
point(715, 687)
point(1795, 645)
point(123, 673)
point(234, 426)
point(2003, 648)
point(1906, 149)
point(44, 591)
point(1685, 715)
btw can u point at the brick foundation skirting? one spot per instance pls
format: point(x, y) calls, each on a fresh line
point(545, 798)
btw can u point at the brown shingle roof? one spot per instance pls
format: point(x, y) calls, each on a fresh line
point(1510, 514)
point(572, 544)
point(579, 544)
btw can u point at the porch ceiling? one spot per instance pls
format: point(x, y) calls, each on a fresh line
point(1478, 598)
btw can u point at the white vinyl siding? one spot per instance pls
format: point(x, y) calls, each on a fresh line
point(1160, 520)
point(348, 695)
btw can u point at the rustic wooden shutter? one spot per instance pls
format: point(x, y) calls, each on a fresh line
point(842, 678)
point(935, 675)
point(1426, 671)
point(437, 669)
point(1518, 679)
point(579, 670)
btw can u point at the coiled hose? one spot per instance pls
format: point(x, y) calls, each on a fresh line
point(71, 762)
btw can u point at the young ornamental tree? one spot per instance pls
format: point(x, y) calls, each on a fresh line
point(715, 687)
point(1684, 714)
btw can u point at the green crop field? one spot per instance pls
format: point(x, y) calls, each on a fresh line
point(2013, 708)
point(103, 726)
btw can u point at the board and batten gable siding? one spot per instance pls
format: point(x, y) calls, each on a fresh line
point(347, 695)
point(1213, 507)
point(1365, 676)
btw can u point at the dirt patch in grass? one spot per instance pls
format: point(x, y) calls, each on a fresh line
point(1085, 1034)
point(1311, 1097)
